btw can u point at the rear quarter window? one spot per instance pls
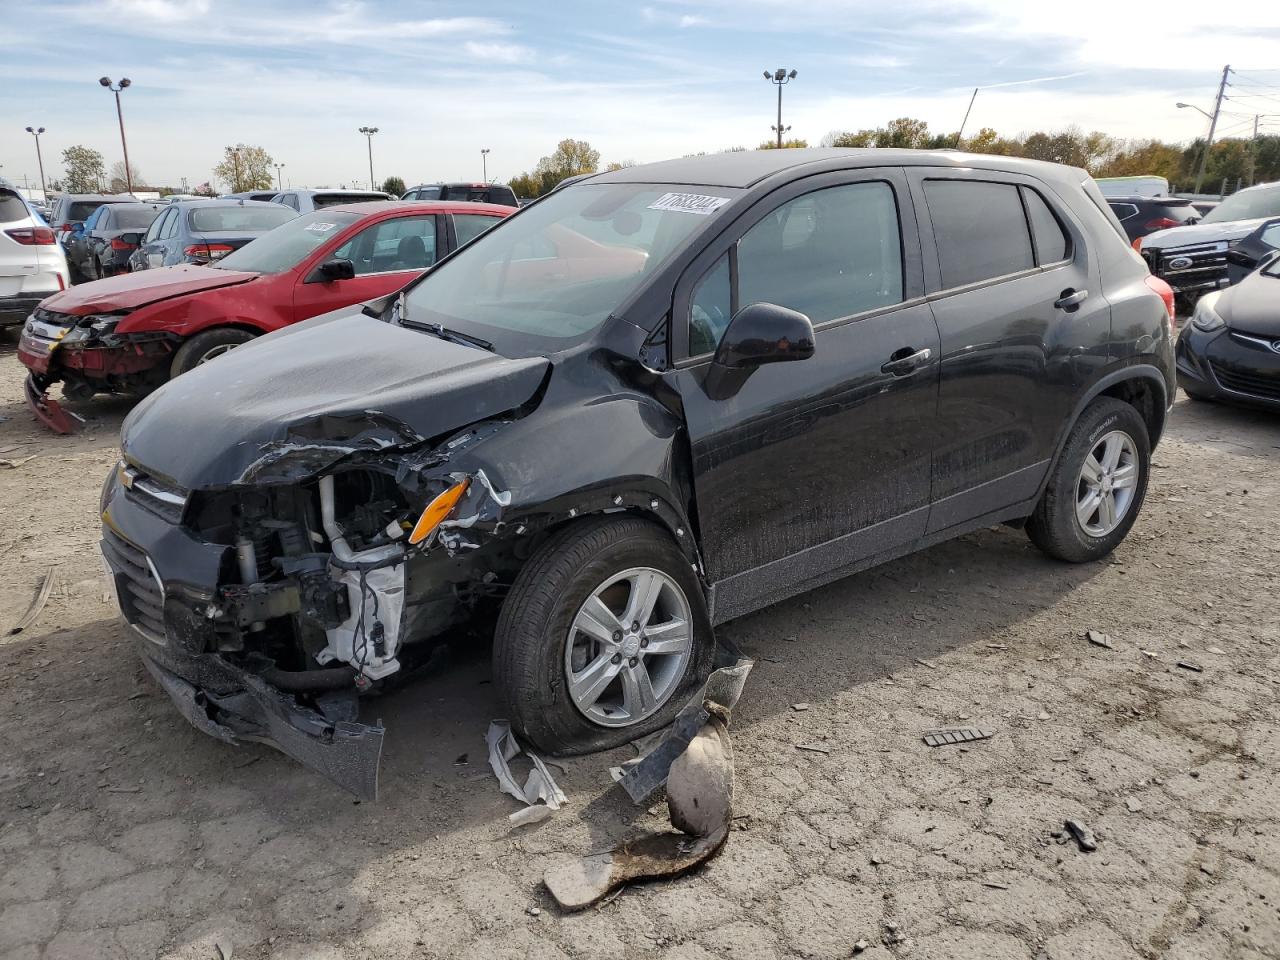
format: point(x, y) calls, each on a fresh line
point(980, 230)
point(12, 208)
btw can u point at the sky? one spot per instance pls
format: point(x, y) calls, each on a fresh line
point(640, 81)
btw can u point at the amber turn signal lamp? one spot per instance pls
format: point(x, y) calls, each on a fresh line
point(437, 510)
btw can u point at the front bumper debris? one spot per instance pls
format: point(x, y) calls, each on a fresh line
point(342, 750)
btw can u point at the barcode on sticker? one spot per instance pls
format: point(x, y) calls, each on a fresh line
point(689, 203)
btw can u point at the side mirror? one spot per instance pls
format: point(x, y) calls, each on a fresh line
point(333, 270)
point(133, 239)
point(765, 333)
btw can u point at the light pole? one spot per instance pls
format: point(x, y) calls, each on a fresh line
point(369, 132)
point(39, 159)
point(779, 78)
point(965, 121)
point(484, 162)
point(279, 167)
point(124, 144)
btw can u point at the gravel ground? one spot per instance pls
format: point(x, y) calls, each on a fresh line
point(125, 833)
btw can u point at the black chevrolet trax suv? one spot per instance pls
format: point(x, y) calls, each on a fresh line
point(655, 400)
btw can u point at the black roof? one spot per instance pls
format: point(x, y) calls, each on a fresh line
point(744, 168)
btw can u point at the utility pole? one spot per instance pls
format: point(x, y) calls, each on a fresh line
point(1213, 126)
point(1253, 148)
point(960, 135)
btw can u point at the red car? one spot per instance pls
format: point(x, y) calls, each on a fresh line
point(131, 333)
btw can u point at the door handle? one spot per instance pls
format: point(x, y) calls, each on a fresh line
point(905, 362)
point(1070, 299)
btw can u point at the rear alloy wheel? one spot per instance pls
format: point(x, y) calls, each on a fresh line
point(206, 346)
point(1097, 486)
point(602, 637)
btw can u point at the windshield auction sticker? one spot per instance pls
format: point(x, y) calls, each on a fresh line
point(689, 203)
point(319, 227)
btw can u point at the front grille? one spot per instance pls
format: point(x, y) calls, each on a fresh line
point(138, 587)
point(1198, 265)
point(1248, 383)
point(166, 500)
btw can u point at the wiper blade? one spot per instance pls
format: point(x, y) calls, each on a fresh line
point(444, 333)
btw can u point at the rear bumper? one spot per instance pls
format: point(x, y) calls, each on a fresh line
point(15, 309)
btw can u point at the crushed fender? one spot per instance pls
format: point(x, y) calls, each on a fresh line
point(697, 769)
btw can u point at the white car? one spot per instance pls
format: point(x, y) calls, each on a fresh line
point(32, 263)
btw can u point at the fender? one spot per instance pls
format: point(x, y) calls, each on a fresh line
point(1134, 371)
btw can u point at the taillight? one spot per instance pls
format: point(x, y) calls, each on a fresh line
point(1162, 223)
point(68, 227)
point(207, 251)
point(118, 244)
point(1137, 244)
point(1166, 294)
point(33, 236)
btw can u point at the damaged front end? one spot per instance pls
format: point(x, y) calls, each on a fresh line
point(266, 607)
point(88, 356)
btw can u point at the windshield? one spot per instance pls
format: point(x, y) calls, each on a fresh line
point(287, 246)
point(1246, 205)
point(553, 274)
point(212, 219)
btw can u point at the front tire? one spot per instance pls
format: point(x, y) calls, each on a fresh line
point(602, 638)
point(206, 346)
point(1097, 487)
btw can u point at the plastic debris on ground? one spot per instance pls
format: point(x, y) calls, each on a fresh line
point(540, 794)
point(695, 762)
point(946, 738)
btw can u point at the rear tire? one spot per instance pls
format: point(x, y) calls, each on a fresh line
point(1072, 521)
point(538, 641)
point(206, 346)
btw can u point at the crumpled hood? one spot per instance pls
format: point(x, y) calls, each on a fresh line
point(128, 291)
point(291, 403)
point(1252, 305)
point(1200, 233)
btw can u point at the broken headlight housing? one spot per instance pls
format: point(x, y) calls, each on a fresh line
point(92, 326)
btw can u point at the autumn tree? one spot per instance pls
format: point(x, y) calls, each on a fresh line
point(786, 144)
point(618, 165)
point(393, 185)
point(245, 168)
point(84, 169)
point(571, 158)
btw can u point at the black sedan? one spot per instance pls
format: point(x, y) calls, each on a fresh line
point(1230, 350)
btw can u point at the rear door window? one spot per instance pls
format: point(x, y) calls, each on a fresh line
point(468, 226)
point(170, 226)
point(1124, 211)
point(980, 229)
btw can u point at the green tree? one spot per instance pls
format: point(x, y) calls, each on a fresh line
point(84, 169)
point(393, 185)
point(786, 144)
point(245, 168)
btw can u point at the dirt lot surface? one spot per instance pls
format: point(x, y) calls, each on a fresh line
point(124, 833)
